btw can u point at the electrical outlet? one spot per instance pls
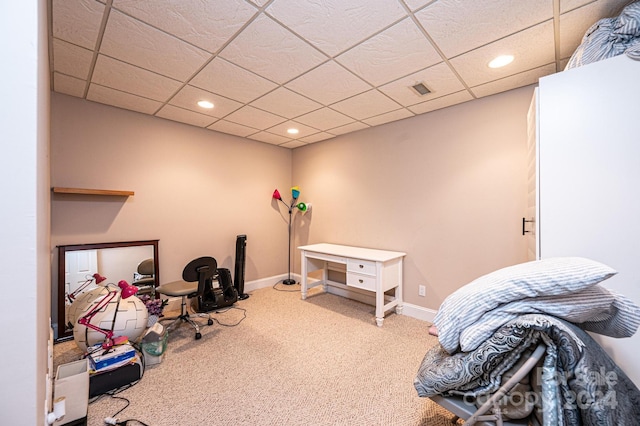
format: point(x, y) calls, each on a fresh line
point(422, 291)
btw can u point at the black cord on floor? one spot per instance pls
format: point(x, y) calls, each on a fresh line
point(113, 420)
point(244, 315)
point(297, 285)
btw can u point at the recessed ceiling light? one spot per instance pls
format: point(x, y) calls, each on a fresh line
point(205, 104)
point(501, 61)
point(292, 131)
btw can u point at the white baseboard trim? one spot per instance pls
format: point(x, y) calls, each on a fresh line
point(410, 310)
point(268, 282)
point(418, 312)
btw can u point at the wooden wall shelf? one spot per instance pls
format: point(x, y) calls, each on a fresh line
point(87, 191)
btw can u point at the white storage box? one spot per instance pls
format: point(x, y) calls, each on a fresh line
point(72, 384)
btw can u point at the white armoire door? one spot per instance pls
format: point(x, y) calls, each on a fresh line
point(530, 221)
point(589, 172)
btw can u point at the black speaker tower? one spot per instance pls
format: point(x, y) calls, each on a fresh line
point(241, 250)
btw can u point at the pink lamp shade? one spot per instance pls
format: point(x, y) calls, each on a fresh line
point(128, 290)
point(99, 278)
point(276, 195)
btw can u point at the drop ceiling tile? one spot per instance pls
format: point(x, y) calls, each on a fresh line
point(336, 25)
point(137, 43)
point(206, 24)
point(317, 137)
point(270, 50)
point(388, 117)
point(127, 78)
point(366, 105)
point(325, 119)
point(232, 128)
point(71, 59)
point(416, 4)
point(227, 79)
point(567, 5)
point(328, 83)
point(458, 26)
point(563, 64)
point(259, 3)
point(254, 117)
point(269, 138)
point(68, 85)
point(106, 95)
point(286, 103)
point(293, 144)
point(281, 129)
point(188, 97)
point(396, 52)
point(352, 127)
point(574, 24)
point(77, 21)
point(171, 112)
point(443, 102)
point(439, 79)
point(472, 66)
point(513, 81)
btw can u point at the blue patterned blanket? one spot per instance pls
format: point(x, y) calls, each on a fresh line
point(579, 384)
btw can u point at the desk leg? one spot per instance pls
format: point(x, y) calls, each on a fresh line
point(325, 277)
point(398, 292)
point(379, 305)
point(303, 281)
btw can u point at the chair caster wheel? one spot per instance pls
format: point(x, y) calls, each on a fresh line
point(210, 322)
point(198, 336)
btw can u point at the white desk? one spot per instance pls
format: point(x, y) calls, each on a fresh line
point(366, 269)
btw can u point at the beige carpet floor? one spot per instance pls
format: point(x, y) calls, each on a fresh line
point(321, 361)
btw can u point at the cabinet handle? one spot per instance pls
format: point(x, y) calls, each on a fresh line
point(360, 281)
point(524, 221)
point(361, 266)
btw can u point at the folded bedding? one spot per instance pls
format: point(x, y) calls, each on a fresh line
point(493, 323)
point(579, 383)
point(565, 287)
point(610, 37)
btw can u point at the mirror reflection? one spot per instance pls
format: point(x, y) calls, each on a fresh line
point(83, 267)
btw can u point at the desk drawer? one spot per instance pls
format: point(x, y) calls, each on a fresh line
point(361, 266)
point(364, 282)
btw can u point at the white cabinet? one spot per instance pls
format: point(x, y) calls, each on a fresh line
point(589, 176)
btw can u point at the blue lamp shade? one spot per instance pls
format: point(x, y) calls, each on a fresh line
point(295, 192)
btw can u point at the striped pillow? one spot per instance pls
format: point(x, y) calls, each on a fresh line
point(546, 277)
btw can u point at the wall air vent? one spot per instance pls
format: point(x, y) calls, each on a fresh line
point(421, 89)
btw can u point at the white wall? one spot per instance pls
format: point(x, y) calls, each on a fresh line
point(24, 218)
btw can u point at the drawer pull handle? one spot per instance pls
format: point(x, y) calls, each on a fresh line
point(361, 281)
point(361, 266)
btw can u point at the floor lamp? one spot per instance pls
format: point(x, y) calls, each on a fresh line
point(303, 207)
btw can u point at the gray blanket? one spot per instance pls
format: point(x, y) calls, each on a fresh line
point(580, 383)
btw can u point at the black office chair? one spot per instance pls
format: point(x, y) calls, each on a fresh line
point(195, 276)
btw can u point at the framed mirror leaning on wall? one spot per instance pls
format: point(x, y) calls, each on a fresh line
point(133, 261)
